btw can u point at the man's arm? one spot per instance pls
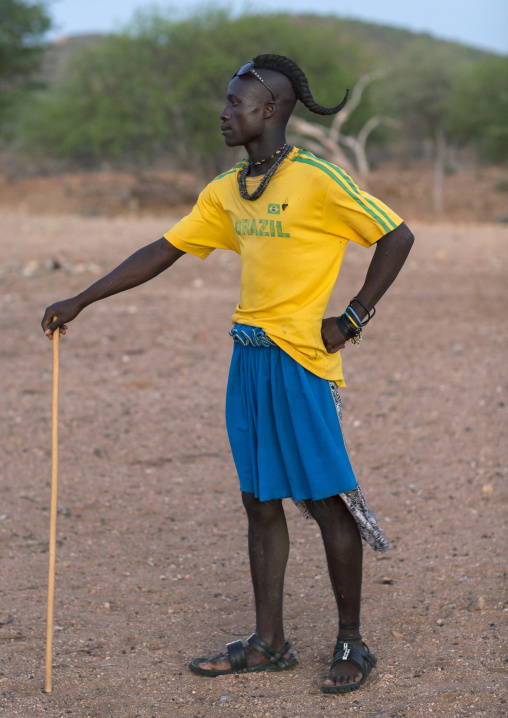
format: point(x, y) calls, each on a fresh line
point(141, 266)
point(390, 254)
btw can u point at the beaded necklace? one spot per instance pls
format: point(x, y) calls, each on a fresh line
point(284, 151)
point(267, 159)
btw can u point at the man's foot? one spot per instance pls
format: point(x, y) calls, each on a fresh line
point(344, 671)
point(223, 663)
point(348, 675)
point(256, 656)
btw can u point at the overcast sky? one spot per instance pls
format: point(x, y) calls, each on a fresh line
point(480, 23)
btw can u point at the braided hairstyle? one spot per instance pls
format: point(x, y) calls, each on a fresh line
point(296, 76)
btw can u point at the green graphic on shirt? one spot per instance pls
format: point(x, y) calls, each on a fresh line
point(274, 209)
point(260, 227)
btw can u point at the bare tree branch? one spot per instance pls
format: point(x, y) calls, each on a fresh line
point(355, 99)
point(328, 141)
point(321, 144)
point(371, 125)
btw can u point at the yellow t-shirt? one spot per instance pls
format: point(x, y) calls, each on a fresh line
point(291, 241)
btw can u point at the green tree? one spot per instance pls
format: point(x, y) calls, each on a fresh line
point(158, 88)
point(419, 91)
point(479, 109)
point(23, 26)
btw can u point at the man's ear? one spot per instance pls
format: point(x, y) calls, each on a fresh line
point(269, 109)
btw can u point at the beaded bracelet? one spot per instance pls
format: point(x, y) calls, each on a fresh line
point(369, 314)
point(350, 325)
point(348, 329)
point(355, 322)
point(350, 309)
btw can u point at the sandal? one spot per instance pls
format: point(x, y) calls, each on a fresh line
point(360, 656)
point(236, 653)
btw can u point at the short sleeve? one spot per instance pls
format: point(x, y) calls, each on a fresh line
point(355, 215)
point(205, 228)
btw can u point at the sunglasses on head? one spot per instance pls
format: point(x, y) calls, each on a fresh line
point(249, 68)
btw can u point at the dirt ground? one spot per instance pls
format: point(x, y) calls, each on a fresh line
point(151, 557)
point(471, 195)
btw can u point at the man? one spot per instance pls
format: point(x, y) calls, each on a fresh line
point(289, 215)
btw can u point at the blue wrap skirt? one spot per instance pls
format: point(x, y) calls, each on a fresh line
point(283, 425)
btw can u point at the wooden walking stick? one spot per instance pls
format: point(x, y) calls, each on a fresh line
point(52, 523)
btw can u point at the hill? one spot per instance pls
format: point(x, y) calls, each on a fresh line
point(384, 44)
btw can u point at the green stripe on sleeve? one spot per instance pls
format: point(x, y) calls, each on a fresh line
point(344, 181)
point(371, 201)
point(240, 165)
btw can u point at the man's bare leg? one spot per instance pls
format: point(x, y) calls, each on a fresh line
point(344, 552)
point(268, 554)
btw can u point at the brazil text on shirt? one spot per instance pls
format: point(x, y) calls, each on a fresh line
point(260, 227)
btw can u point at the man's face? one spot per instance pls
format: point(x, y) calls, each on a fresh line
point(242, 119)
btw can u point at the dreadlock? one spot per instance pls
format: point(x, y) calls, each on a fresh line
point(300, 84)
